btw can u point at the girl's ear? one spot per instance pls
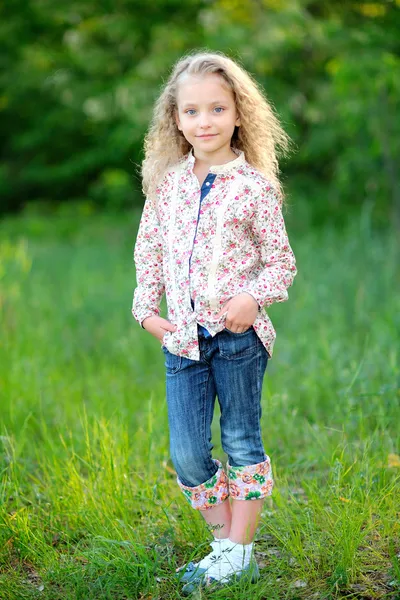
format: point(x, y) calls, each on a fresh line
point(237, 122)
point(177, 121)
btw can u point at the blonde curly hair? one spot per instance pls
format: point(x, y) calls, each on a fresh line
point(259, 135)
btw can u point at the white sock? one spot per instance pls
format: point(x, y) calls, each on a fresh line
point(215, 554)
point(234, 558)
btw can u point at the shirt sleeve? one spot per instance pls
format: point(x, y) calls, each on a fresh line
point(278, 265)
point(148, 258)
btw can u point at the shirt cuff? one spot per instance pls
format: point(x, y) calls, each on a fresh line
point(140, 316)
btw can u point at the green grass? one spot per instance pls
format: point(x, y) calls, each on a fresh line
point(89, 504)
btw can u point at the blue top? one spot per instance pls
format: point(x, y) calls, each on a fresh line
point(205, 188)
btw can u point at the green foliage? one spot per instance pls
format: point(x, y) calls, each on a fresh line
point(78, 81)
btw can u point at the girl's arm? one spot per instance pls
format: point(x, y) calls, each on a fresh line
point(148, 257)
point(278, 261)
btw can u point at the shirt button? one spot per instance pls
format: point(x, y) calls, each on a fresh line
point(207, 183)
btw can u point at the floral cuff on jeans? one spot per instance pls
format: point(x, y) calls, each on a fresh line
point(210, 493)
point(251, 482)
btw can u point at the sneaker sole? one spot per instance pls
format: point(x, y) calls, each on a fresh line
point(252, 574)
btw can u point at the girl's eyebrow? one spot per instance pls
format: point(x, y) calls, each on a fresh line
point(187, 104)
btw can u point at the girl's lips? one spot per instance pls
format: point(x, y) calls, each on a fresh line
point(207, 135)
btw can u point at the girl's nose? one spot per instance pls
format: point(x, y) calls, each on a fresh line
point(204, 121)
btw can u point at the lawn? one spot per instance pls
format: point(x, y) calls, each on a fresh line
point(89, 503)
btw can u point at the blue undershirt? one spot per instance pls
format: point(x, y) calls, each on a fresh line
point(205, 188)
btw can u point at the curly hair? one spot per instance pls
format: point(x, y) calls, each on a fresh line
point(259, 135)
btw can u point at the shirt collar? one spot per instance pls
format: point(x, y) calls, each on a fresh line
point(220, 169)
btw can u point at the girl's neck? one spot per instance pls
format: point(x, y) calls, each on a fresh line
point(205, 161)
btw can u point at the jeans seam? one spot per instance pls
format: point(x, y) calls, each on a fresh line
point(203, 433)
point(259, 395)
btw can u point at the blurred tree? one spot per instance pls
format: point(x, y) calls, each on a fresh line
point(78, 80)
point(333, 72)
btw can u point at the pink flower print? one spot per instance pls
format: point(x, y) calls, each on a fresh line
point(234, 490)
point(267, 488)
point(246, 478)
point(263, 467)
point(239, 262)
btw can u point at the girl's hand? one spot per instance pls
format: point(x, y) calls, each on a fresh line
point(242, 311)
point(157, 326)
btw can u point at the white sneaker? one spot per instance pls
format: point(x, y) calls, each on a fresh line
point(194, 570)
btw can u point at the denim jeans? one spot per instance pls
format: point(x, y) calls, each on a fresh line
point(231, 367)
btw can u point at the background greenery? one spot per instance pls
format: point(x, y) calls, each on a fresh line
point(78, 80)
point(89, 506)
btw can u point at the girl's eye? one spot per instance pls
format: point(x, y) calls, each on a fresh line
point(190, 111)
point(218, 109)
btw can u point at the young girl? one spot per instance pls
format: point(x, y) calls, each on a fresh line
point(212, 237)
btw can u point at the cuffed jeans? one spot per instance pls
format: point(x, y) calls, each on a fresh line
point(231, 367)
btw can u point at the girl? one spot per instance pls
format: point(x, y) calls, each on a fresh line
point(212, 237)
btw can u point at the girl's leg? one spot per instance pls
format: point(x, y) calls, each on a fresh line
point(238, 522)
point(245, 517)
point(238, 370)
point(219, 520)
point(192, 387)
point(191, 398)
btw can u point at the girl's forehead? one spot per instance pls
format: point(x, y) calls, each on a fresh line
point(196, 87)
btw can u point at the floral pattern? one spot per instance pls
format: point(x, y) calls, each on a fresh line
point(250, 482)
point(208, 494)
point(236, 242)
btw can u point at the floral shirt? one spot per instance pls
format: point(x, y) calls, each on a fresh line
point(234, 242)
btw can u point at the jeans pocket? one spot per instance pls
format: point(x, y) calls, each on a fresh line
point(239, 334)
point(235, 345)
point(172, 361)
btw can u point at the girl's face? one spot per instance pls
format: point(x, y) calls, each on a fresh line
point(206, 114)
